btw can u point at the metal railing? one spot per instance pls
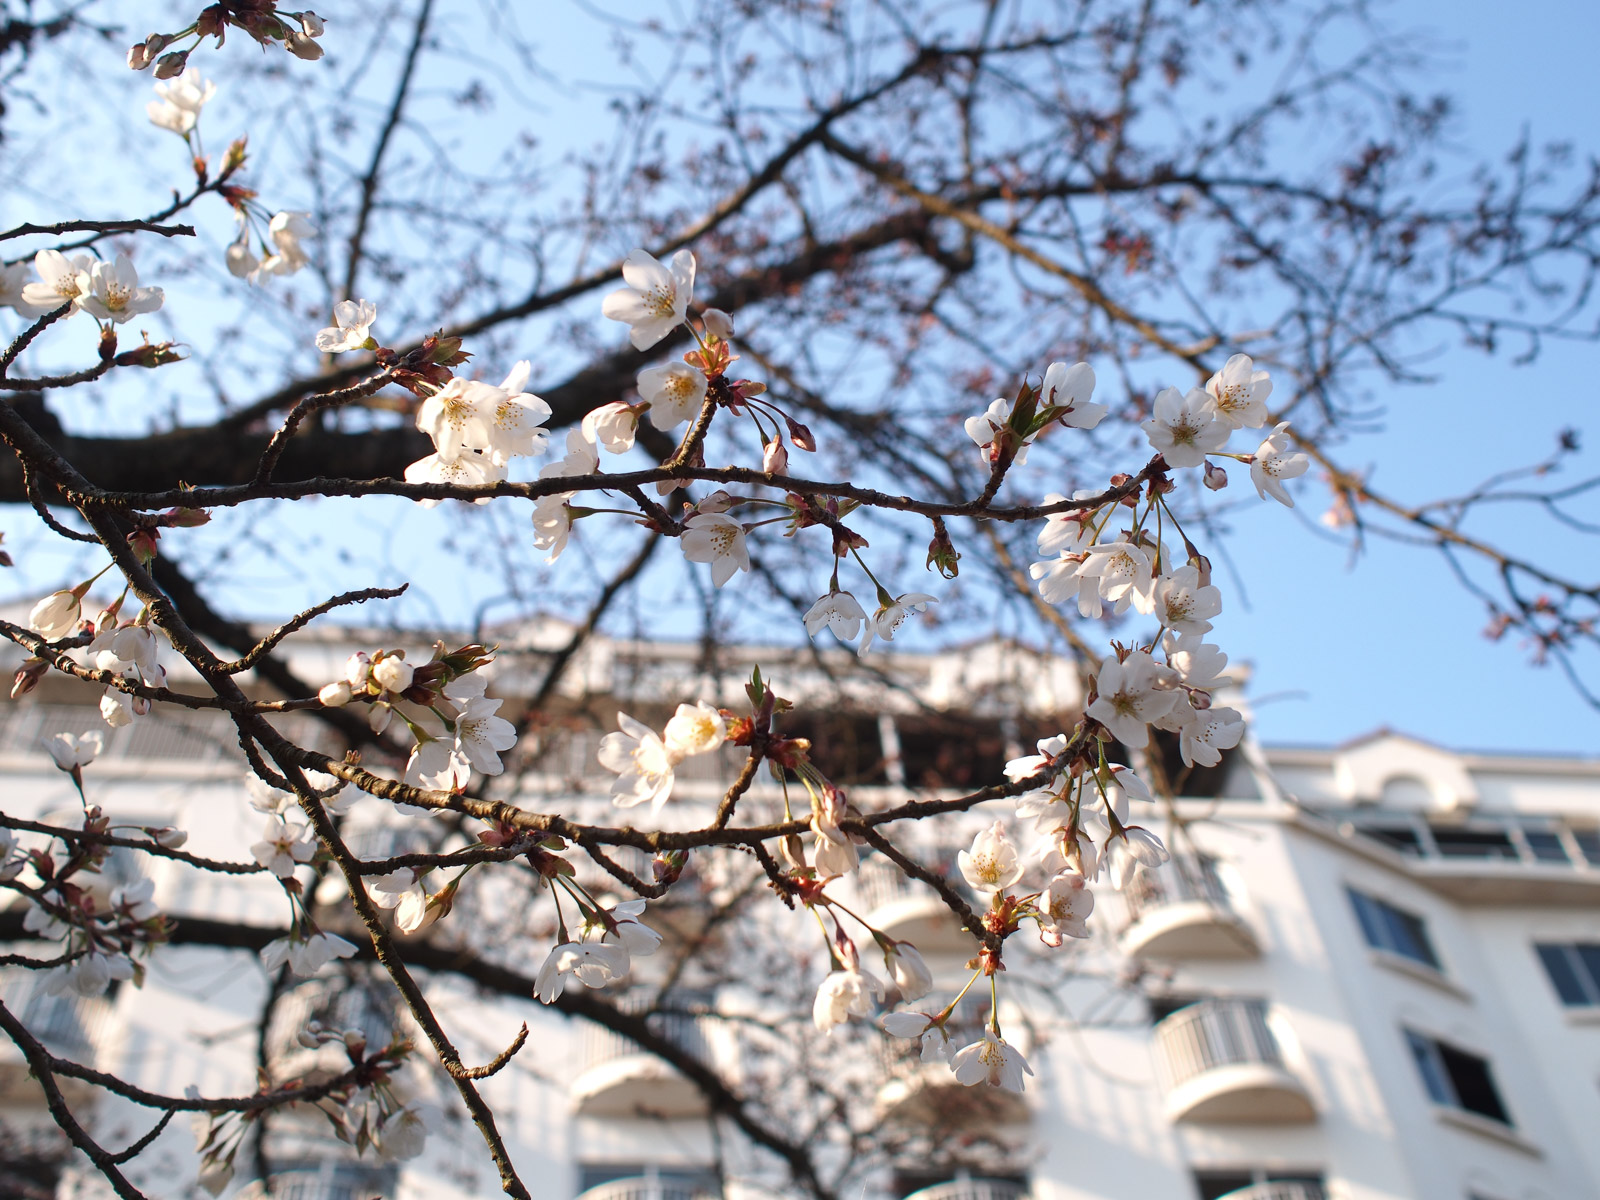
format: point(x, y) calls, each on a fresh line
point(70, 1025)
point(972, 1189)
point(1287, 1190)
point(1213, 1033)
point(879, 882)
point(642, 1187)
point(1186, 878)
point(688, 1033)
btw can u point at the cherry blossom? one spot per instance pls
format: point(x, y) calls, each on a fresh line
point(1070, 388)
point(844, 994)
point(1273, 462)
point(1131, 695)
point(909, 971)
point(1130, 848)
point(438, 764)
point(697, 728)
point(1184, 429)
point(1064, 908)
point(181, 100)
point(1121, 574)
point(1211, 731)
point(990, 430)
point(1060, 579)
point(892, 614)
point(12, 280)
point(613, 426)
point(1070, 531)
point(305, 956)
point(552, 524)
point(718, 539)
point(935, 1040)
point(62, 280)
point(72, 752)
point(840, 612)
point(593, 964)
point(993, 864)
point(991, 1060)
point(285, 231)
point(402, 891)
point(470, 470)
point(351, 328)
point(1239, 393)
point(480, 734)
point(643, 764)
point(1182, 605)
point(634, 935)
point(673, 392)
point(88, 975)
point(1198, 663)
point(656, 300)
point(283, 847)
point(57, 616)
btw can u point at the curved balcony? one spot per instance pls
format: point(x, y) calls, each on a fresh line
point(621, 1079)
point(1221, 1065)
point(928, 1094)
point(1181, 911)
point(910, 911)
point(69, 1026)
point(644, 1187)
point(1296, 1190)
point(972, 1189)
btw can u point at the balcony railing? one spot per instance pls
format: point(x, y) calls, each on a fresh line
point(909, 909)
point(973, 1189)
point(1220, 1063)
point(1181, 910)
point(602, 1045)
point(1295, 1190)
point(646, 1188)
point(69, 1025)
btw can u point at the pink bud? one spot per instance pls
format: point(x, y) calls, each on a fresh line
point(719, 501)
point(801, 436)
point(718, 323)
point(170, 66)
point(1215, 478)
point(775, 458)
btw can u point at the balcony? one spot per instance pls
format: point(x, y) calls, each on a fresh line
point(973, 1189)
point(1220, 1065)
point(1181, 911)
point(621, 1079)
point(649, 1187)
point(69, 1026)
point(915, 1092)
point(910, 911)
point(1279, 1191)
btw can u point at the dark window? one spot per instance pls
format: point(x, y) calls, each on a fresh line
point(1217, 1184)
point(1589, 842)
point(1456, 1078)
point(1393, 929)
point(1397, 837)
point(939, 751)
point(1574, 970)
point(1473, 843)
point(1162, 1007)
point(1546, 845)
point(844, 746)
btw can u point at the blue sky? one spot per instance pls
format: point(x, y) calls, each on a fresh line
point(1336, 648)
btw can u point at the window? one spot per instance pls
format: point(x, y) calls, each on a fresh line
point(1574, 970)
point(1215, 1184)
point(1473, 843)
point(1393, 929)
point(1456, 1078)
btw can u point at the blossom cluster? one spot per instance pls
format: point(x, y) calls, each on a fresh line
point(107, 291)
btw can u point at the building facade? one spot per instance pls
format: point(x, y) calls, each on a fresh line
point(1369, 973)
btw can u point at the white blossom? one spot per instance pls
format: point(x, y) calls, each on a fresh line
point(840, 612)
point(481, 734)
point(892, 614)
point(1121, 574)
point(56, 616)
point(1182, 605)
point(401, 1137)
point(1273, 463)
point(844, 994)
point(1064, 908)
point(1198, 663)
point(552, 524)
point(352, 326)
point(935, 1040)
point(1212, 731)
point(642, 761)
point(992, 864)
point(673, 392)
point(283, 847)
point(1185, 428)
point(594, 964)
point(910, 972)
point(61, 280)
point(470, 470)
point(73, 751)
point(181, 100)
point(986, 429)
point(1131, 695)
point(438, 765)
point(612, 426)
point(656, 299)
point(116, 708)
point(697, 728)
point(88, 975)
point(1070, 531)
point(718, 539)
point(1070, 388)
point(392, 673)
point(1130, 848)
point(993, 1061)
point(1239, 393)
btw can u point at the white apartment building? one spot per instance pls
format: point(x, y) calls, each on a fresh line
point(1370, 973)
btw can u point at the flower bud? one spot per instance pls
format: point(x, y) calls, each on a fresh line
point(143, 544)
point(241, 260)
point(358, 669)
point(301, 46)
point(139, 56)
point(718, 502)
point(1215, 477)
point(942, 553)
point(170, 66)
point(775, 458)
point(312, 25)
point(801, 436)
point(140, 706)
point(336, 694)
point(185, 518)
point(718, 323)
point(392, 673)
point(168, 836)
point(28, 675)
